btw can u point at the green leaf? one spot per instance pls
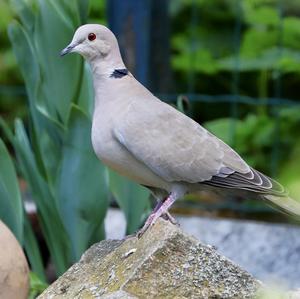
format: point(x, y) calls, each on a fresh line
point(132, 199)
point(25, 12)
point(32, 250)
point(83, 9)
point(97, 233)
point(222, 128)
point(24, 52)
point(37, 286)
point(289, 175)
point(82, 185)
point(61, 76)
point(6, 130)
point(264, 15)
point(291, 34)
point(11, 209)
point(200, 60)
point(53, 85)
point(49, 217)
point(256, 41)
point(85, 98)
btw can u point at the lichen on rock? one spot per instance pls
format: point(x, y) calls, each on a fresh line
point(164, 263)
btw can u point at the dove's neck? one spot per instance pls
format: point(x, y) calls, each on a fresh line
point(105, 66)
point(106, 85)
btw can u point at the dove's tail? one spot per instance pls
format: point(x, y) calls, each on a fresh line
point(264, 187)
point(284, 203)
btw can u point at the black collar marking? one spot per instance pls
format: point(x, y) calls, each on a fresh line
point(119, 73)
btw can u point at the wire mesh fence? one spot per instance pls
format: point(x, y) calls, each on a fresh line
point(194, 23)
point(193, 65)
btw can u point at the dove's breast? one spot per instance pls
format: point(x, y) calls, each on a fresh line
point(118, 158)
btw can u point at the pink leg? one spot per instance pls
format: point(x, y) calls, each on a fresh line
point(169, 217)
point(160, 209)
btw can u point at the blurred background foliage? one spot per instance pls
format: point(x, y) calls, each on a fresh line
point(52, 147)
point(237, 62)
point(244, 57)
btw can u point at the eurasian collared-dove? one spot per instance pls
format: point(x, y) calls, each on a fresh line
point(152, 143)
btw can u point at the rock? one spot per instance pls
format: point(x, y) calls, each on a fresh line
point(269, 251)
point(14, 271)
point(164, 263)
point(293, 294)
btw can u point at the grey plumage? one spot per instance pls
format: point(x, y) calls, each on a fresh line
point(152, 143)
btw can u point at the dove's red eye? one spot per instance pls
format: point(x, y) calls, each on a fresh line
point(92, 36)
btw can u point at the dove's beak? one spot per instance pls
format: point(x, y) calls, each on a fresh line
point(68, 49)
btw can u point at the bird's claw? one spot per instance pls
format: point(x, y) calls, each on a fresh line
point(141, 232)
point(167, 216)
point(150, 221)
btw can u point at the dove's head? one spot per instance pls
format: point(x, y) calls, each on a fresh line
point(95, 43)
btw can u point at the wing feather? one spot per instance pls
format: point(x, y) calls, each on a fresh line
point(173, 145)
point(253, 181)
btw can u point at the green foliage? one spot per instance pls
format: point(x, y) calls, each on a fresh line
point(209, 45)
point(37, 286)
point(253, 139)
point(290, 175)
point(11, 211)
point(132, 199)
point(259, 42)
point(255, 136)
point(50, 105)
point(53, 149)
point(81, 186)
point(54, 154)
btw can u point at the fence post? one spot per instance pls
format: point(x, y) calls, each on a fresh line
point(130, 22)
point(160, 63)
point(142, 29)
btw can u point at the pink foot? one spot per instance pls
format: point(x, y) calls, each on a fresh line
point(160, 209)
point(169, 217)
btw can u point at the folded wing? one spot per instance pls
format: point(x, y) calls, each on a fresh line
point(174, 146)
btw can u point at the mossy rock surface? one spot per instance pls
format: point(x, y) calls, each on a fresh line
point(164, 263)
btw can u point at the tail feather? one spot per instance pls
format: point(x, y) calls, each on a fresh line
point(285, 204)
point(259, 184)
